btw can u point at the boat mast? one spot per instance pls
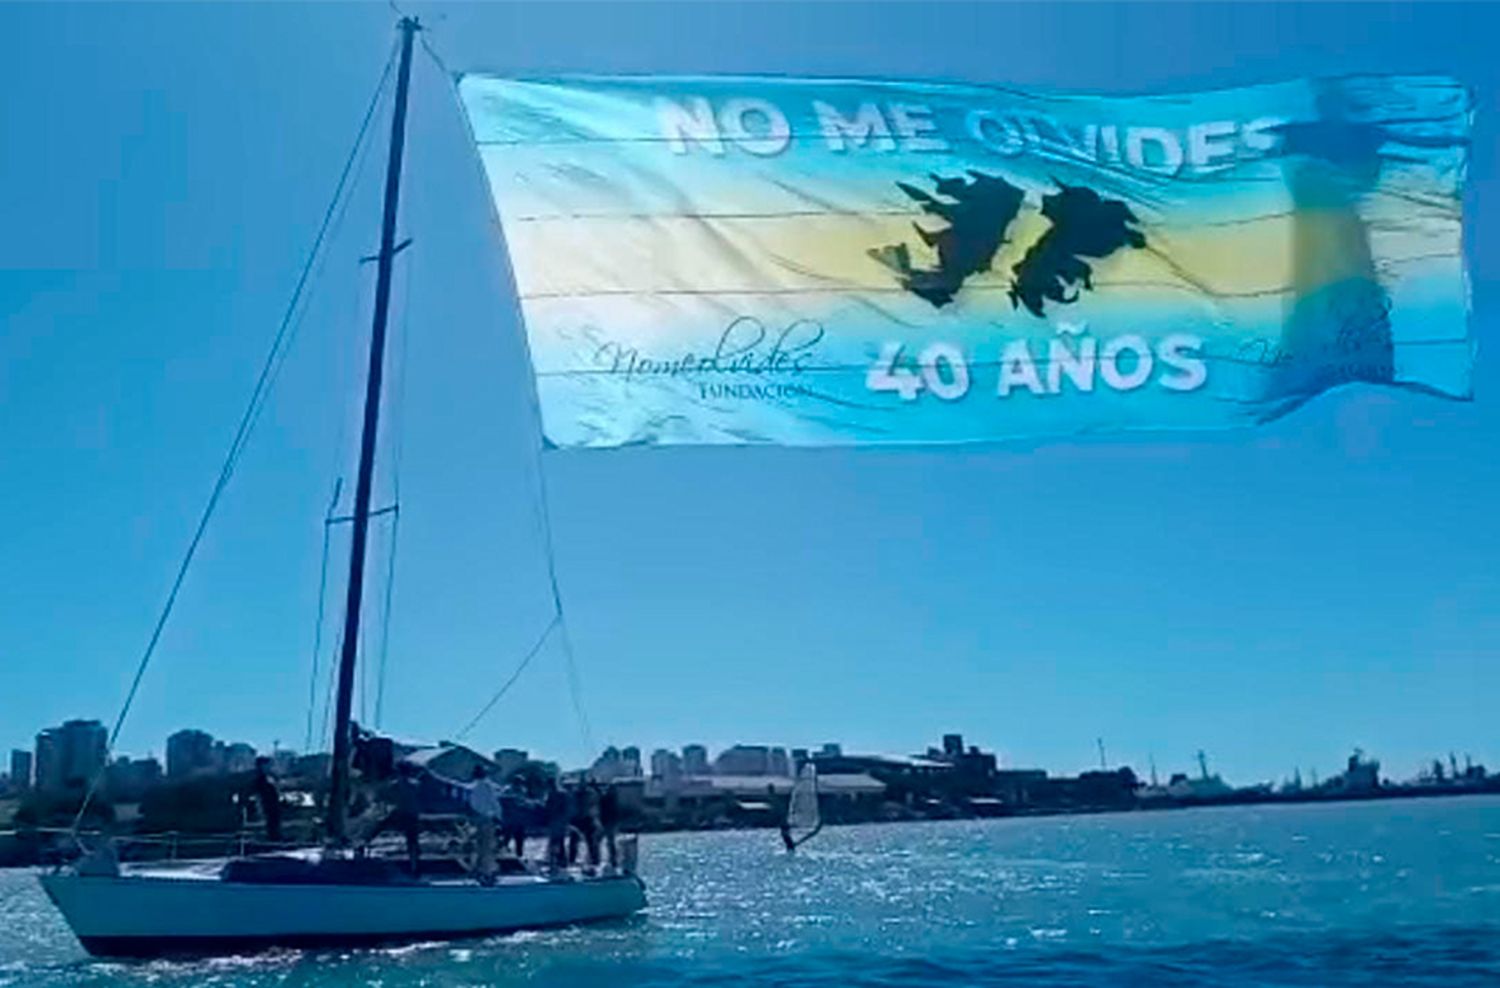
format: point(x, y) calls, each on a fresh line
point(338, 792)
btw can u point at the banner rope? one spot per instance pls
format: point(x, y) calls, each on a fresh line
point(286, 331)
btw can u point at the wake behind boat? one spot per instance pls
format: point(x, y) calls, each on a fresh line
point(336, 896)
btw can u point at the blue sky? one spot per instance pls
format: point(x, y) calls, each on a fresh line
point(1273, 596)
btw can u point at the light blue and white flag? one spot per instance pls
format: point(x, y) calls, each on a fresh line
point(822, 262)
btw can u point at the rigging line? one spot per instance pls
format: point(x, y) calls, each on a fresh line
point(575, 689)
point(397, 420)
point(324, 735)
point(515, 675)
point(545, 513)
point(397, 417)
point(356, 315)
point(361, 667)
point(312, 681)
point(385, 615)
point(575, 685)
point(289, 320)
point(329, 523)
point(333, 221)
point(426, 44)
point(541, 510)
point(544, 509)
point(541, 507)
point(436, 58)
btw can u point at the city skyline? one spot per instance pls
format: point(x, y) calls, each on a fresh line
point(1275, 596)
point(1087, 759)
point(194, 751)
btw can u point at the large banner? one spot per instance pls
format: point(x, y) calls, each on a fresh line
point(834, 261)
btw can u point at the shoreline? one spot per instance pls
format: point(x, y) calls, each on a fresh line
point(45, 841)
point(1384, 794)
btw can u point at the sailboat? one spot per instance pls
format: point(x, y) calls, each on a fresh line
point(803, 817)
point(332, 896)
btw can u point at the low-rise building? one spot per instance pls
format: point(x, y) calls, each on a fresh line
point(906, 778)
point(20, 770)
point(508, 760)
point(451, 761)
point(1019, 786)
point(974, 770)
point(721, 800)
point(1090, 790)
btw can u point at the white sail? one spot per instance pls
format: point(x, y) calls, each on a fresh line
point(802, 816)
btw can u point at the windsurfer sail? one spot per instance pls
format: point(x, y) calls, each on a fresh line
point(803, 819)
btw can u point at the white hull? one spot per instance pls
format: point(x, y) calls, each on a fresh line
point(151, 915)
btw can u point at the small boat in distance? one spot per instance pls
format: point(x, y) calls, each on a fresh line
point(332, 896)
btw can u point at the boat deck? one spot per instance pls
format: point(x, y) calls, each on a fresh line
point(440, 872)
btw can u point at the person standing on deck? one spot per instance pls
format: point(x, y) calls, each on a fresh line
point(557, 810)
point(484, 801)
point(609, 822)
point(515, 812)
point(405, 797)
point(269, 798)
point(575, 821)
point(586, 822)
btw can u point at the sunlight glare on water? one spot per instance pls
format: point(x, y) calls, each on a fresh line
point(1400, 892)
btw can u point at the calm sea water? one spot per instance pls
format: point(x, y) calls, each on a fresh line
point(1396, 893)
